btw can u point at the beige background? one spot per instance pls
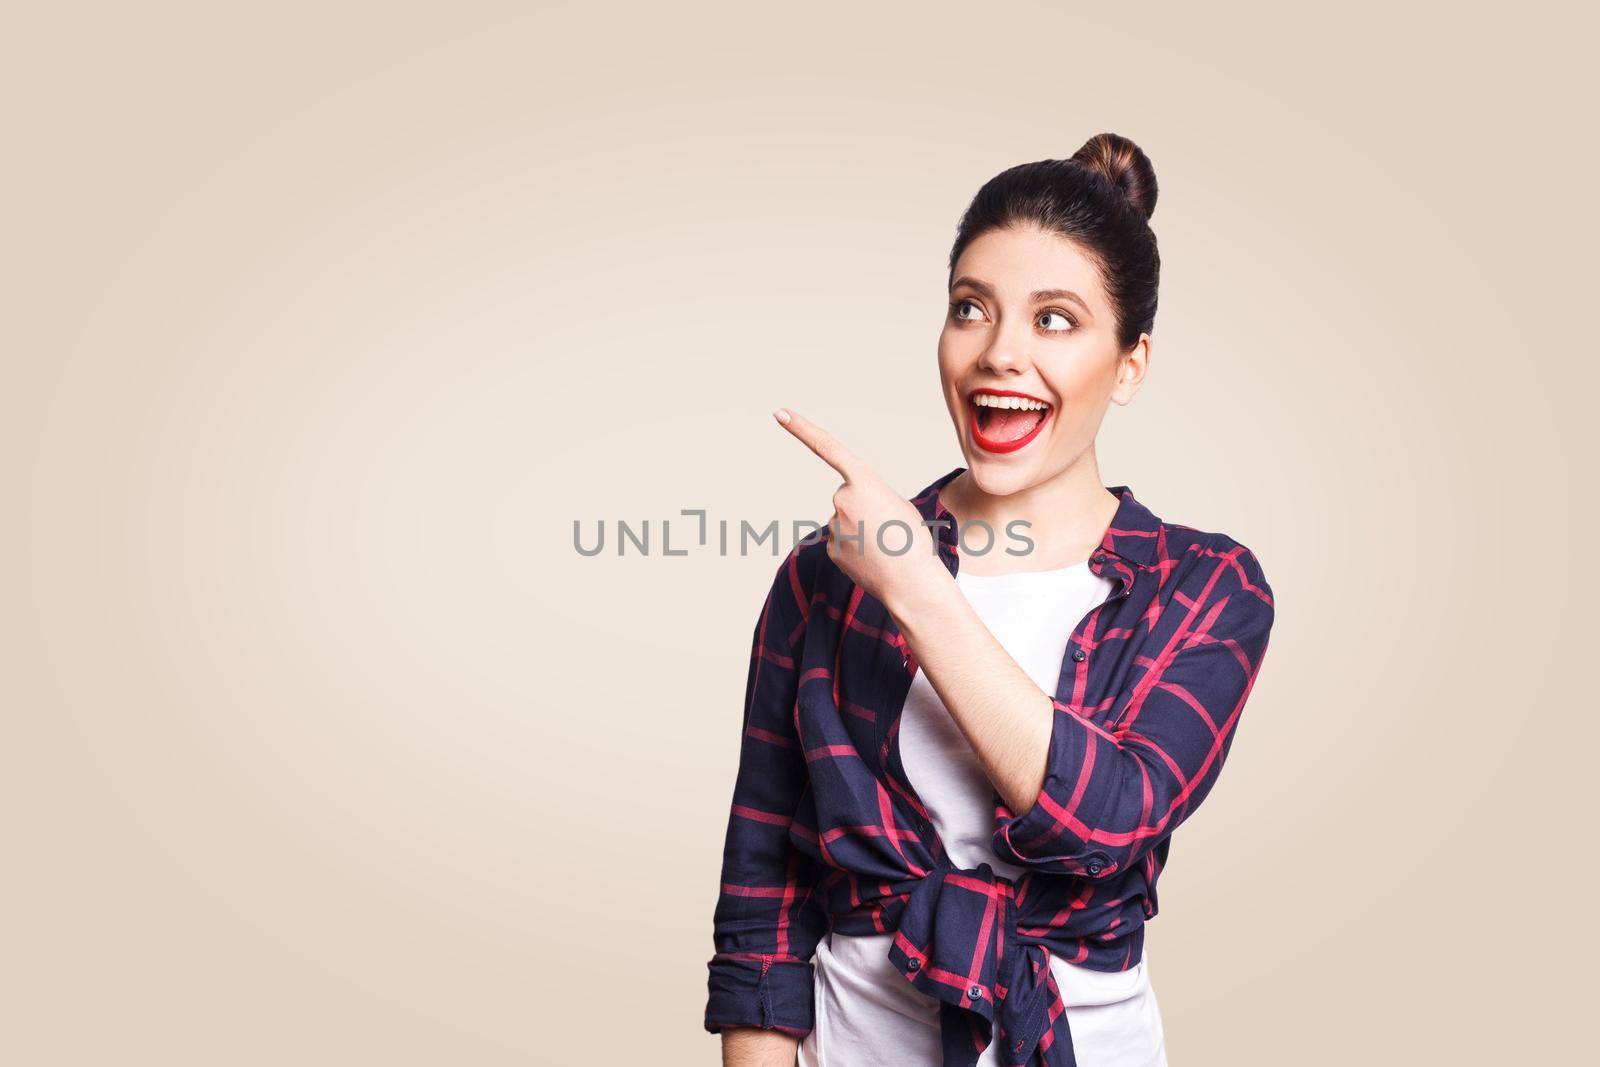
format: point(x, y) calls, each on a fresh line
point(323, 323)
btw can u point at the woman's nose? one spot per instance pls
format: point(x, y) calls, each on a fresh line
point(1003, 357)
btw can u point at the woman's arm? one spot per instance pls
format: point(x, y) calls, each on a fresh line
point(746, 1047)
point(1005, 716)
point(768, 918)
point(1091, 801)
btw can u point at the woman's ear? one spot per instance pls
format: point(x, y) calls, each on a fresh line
point(1131, 368)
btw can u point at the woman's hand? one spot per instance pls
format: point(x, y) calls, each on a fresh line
point(877, 537)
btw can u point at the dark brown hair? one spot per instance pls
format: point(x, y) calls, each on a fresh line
point(1101, 199)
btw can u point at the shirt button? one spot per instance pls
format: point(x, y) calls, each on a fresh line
point(1094, 866)
point(1099, 557)
point(1079, 654)
point(976, 992)
point(913, 965)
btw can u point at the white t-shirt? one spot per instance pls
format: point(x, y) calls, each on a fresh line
point(866, 1012)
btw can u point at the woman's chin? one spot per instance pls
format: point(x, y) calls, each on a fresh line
point(999, 475)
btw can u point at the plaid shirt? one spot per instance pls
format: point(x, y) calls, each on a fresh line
point(826, 831)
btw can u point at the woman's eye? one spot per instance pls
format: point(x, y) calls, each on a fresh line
point(1070, 325)
point(955, 308)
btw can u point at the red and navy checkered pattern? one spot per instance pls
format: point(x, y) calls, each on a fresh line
point(825, 830)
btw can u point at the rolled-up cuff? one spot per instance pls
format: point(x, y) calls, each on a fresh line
point(1053, 833)
point(769, 992)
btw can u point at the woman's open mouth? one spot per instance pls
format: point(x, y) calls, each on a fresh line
point(1003, 421)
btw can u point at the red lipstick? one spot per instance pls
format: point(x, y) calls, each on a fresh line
point(990, 444)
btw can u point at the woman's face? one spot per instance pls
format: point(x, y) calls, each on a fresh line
point(1028, 358)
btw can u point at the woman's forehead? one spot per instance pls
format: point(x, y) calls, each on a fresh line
point(1016, 263)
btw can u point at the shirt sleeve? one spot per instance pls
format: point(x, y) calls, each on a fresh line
point(768, 917)
point(1113, 793)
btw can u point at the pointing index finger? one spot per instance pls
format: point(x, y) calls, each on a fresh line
point(820, 441)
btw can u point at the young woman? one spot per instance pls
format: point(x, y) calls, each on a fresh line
point(973, 719)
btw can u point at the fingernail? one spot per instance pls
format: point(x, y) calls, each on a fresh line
point(781, 415)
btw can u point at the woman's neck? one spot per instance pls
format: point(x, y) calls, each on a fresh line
point(1067, 518)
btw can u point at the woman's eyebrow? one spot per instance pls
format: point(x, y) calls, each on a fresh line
point(1038, 294)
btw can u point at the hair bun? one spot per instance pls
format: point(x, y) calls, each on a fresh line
point(1125, 165)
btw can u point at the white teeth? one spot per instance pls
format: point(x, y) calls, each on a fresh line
point(989, 400)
